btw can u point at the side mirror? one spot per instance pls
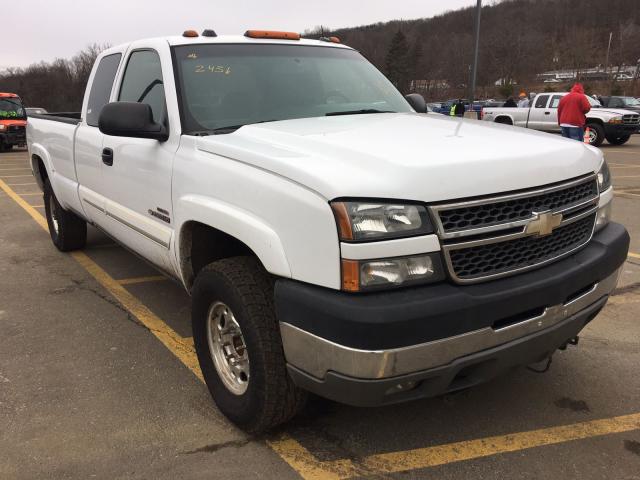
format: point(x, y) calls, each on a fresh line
point(130, 119)
point(417, 102)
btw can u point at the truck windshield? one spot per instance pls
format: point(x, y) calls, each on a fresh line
point(223, 87)
point(631, 102)
point(11, 108)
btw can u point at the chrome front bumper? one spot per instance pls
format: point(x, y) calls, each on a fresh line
point(317, 356)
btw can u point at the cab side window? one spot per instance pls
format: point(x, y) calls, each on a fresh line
point(142, 83)
point(541, 101)
point(101, 87)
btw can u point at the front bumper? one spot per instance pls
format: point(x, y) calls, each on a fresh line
point(388, 347)
point(17, 138)
point(620, 130)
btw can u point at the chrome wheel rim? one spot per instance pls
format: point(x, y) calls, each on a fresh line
point(52, 212)
point(593, 136)
point(228, 348)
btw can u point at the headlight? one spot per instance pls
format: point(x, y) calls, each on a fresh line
point(2, 127)
point(616, 120)
point(604, 177)
point(365, 221)
point(363, 275)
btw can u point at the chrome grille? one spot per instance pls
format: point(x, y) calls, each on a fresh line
point(510, 210)
point(631, 119)
point(513, 255)
point(494, 237)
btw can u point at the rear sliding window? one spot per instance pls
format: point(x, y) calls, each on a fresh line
point(101, 87)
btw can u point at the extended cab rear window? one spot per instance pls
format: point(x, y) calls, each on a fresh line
point(223, 85)
point(101, 87)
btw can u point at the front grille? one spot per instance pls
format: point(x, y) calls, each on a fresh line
point(16, 129)
point(492, 259)
point(631, 119)
point(511, 210)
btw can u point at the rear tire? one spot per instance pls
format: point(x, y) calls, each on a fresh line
point(597, 134)
point(248, 380)
point(68, 231)
point(618, 140)
point(504, 121)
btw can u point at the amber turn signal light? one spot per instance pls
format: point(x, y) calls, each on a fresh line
point(343, 221)
point(272, 34)
point(190, 33)
point(350, 275)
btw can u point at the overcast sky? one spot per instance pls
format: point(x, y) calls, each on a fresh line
point(35, 30)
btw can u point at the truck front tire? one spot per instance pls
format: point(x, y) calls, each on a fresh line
point(237, 340)
point(596, 134)
point(68, 231)
point(621, 140)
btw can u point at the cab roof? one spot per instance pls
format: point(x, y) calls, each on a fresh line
point(181, 40)
point(177, 40)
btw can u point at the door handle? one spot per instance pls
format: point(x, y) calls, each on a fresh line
point(107, 156)
point(547, 113)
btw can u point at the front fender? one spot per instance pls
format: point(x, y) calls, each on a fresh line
point(238, 223)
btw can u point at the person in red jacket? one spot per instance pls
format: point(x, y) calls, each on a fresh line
point(571, 113)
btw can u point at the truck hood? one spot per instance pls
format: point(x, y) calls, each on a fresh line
point(610, 112)
point(409, 156)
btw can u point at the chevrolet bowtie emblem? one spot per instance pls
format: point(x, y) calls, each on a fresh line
point(543, 223)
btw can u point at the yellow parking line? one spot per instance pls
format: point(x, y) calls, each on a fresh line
point(133, 281)
point(633, 255)
point(622, 192)
point(182, 350)
point(37, 206)
point(309, 467)
point(21, 184)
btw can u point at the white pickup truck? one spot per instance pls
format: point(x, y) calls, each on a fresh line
point(614, 124)
point(334, 239)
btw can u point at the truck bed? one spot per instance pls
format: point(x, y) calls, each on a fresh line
point(64, 117)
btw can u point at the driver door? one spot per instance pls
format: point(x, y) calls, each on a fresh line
point(137, 171)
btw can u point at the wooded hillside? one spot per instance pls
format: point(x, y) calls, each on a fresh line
point(519, 38)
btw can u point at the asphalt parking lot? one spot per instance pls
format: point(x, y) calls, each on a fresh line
point(98, 379)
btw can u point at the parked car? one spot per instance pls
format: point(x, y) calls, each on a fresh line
point(12, 122)
point(616, 125)
point(335, 240)
point(627, 103)
point(35, 111)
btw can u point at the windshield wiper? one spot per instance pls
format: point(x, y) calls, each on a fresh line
point(358, 112)
point(230, 128)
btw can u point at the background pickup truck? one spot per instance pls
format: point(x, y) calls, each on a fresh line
point(616, 125)
point(13, 120)
point(330, 240)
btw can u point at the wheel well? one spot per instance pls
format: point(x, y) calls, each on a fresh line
point(504, 120)
point(202, 244)
point(597, 121)
point(39, 170)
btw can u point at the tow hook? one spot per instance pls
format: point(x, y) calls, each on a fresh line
point(572, 341)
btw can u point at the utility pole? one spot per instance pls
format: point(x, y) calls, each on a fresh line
point(475, 54)
point(606, 65)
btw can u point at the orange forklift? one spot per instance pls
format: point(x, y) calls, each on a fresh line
point(13, 122)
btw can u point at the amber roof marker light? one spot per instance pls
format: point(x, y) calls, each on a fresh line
point(272, 34)
point(190, 34)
